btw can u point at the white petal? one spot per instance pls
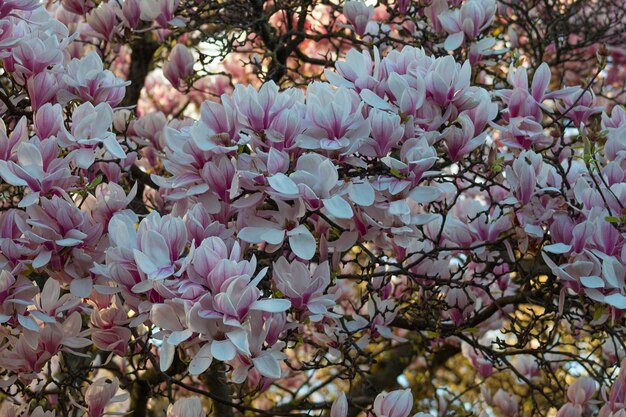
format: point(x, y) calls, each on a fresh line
point(42, 259)
point(240, 340)
point(454, 41)
point(155, 246)
point(284, 185)
point(362, 194)
point(271, 305)
point(50, 294)
point(339, 407)
point(267, 366)
point(113, 147)
point(84, 157)
point(592, 282)
point(28, 323)
point(557, 248)
point(9, 176)
point(613, 272)
point(29, 200)
point(372, 99)
point(302, 242)
point(338, 207)
point(616, 300)
point(261, 234)
point(273, 236)
point(81, 287)
point(166, 355)
point(201, 361)
point(223, 350)
point(42, 316)
point(28, 155)
point(179, 337)
point(142, 286)
point(424, 194)
point(68, 242)
point(144, 263)
point(164, 316)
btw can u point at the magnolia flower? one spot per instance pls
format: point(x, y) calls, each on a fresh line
point(79, 7)
point(103, 20)
point(34, 54)
point(256, 109)
point(179, 65)
point(284, 224)
point(579, 106)
point(336, 121)
point(215, 131)
point(394, 404)
point(339, 407)
point(523, 175)
point(90, 127)
point(100, 393)
point(160, 11)
point(214, 265)
point(469, 21)
point(358, 71)
point(37, 168)
point(109, 326)
point(358, 14)
point(42, 88)
point(572, 410)
point(581, 390)
point(88, 80)
point(461, 142)
point(186, 407)
point(506, 403)
point(477, 360)
point(161, 240)
point(48, 120)
point(131, 13)
point(303, 289)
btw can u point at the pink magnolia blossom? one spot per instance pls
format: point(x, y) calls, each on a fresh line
point(339, 126)
point(579, 105)
point(162, 12)
point(523, 175)
point(179, 65)
point(581, 391)
point(303, 289)
point(394, 404)
point(570, 410)
point(467, 22)
point(186, 407)
point(91, 127)
point(358, 14)
point(42, 88)
point(506, 403)
point(38, 168)
point(101, 393)
point(339, 407)
point(86, 79)
point(80, 7)
point(103, 20)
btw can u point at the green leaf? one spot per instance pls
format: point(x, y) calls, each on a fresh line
point(96, 181)
point(471, 330)
point(598, 313)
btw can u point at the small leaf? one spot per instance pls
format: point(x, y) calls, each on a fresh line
point(96, 181)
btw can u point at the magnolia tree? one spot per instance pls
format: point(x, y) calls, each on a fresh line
point(309, 207)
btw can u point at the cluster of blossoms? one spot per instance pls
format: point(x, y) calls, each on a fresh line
point(288, 230)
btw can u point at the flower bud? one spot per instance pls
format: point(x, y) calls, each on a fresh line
point(179, 65)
